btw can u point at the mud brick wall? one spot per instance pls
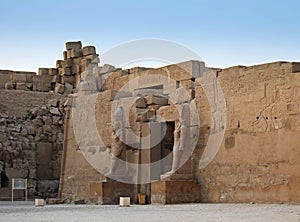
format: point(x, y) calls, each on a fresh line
point(31, 137)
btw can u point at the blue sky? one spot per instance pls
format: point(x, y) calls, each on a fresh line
point(223, 33)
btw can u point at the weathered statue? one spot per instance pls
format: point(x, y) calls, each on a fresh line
point(118, 136)
point(180, 141)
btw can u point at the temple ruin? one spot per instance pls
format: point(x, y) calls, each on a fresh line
point(159, 130)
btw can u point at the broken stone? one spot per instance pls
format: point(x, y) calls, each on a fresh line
point(55, 111)
point(107, 68)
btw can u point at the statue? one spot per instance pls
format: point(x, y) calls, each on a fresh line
point(118, 136)
point(180, 141)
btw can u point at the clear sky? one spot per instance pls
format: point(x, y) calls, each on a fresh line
point(223, 33)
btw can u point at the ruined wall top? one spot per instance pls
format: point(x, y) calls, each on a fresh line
point(79, 69)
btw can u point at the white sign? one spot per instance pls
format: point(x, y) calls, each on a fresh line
point(18, 184)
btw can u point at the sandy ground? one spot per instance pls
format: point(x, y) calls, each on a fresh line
point(22, 211)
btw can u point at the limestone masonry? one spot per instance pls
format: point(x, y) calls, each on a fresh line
point(258, 159)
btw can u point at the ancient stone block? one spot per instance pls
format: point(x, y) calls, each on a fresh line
point(53, 71)
point(168, 113)
point(141, 103)
point(124, 201)
point(88, 86)
point(157, 100)
point(174, 192)
point(59, 63)
point(65, 71)
point(88, 50)
point(182, 95)
point(42, 83)
point(111, 191)
point(295, 67)
point(193, 67)
point(56, 79)
point(39, 202)
point(188, 84)
point(76, 69)
point(20, 77)
point(67, 63)
point(74, 53)
point(68, 79)
point(43, 71)
point(73, 45)
point(65, 55)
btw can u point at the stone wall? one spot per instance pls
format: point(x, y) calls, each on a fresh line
point(258, 160)
point(31, 137)
point(258, 157)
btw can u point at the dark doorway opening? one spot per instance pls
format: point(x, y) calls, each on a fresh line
point(4, 180)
